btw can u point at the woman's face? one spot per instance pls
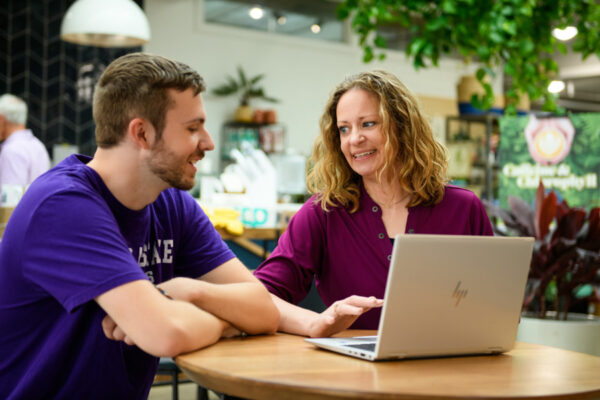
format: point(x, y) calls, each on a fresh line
point(360, 130)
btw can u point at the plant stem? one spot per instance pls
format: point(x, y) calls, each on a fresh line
point(543, 306)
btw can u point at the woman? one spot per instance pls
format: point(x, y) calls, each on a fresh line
point(377, 172)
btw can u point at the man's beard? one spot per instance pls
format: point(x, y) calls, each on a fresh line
point(166, 165)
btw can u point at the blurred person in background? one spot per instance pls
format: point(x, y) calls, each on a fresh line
point(23, 157)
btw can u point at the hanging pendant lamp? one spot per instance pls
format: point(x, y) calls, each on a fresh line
point(105, 23)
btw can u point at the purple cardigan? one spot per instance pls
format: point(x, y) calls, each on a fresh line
point(348, 254)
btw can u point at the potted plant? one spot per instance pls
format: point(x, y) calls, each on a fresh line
point(515, 36)
point(246, 88)
point(564, 266)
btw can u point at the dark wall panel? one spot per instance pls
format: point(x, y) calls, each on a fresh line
point(55, 78)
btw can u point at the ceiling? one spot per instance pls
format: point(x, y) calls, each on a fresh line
point(582, 92)
point(584, 95)
point(299, 16)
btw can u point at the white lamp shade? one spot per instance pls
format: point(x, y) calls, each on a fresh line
point(105, 23)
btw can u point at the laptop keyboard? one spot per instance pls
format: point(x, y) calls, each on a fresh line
point(363, 346)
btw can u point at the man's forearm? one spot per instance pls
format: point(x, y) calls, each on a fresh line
point(157, 325)
point(246, 305)
point(195, 328)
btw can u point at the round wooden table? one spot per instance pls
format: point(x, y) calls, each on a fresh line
point(284, 366)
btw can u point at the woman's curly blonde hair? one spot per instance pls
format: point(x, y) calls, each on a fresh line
point(412, 155)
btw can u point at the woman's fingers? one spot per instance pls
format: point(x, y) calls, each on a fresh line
point(341, 309)
point(361, 301)
point(342, 314)
point(355, 305)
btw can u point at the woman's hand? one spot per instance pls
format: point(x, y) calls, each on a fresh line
point(341, 314)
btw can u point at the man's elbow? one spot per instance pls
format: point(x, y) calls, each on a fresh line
point(273, 327)
point(273, 321)
point(169, 350)
point(272, 316)
point(170, 342)
point(176, 339)
point(269, 321)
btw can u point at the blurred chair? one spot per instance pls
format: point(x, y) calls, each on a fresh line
point(166, 366)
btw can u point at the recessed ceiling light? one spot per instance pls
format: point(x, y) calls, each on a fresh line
point(565, 34)
point(556, 86)
point(279, 17)
point(256, 13)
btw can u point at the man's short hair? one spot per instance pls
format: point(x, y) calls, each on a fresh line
point(13, 108)
point(136, 85)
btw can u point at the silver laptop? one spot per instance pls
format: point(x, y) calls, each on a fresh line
point(445, 296)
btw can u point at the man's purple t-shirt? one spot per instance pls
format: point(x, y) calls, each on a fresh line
point(349, 254)
point(68, 241)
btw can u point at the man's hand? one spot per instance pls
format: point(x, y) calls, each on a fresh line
point(341, 314)
point(231, 331)
point(113, 332)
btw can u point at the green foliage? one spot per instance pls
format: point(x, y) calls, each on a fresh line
point(587, 143)
point(566, 255)
point(514, 34)
point(246, 87)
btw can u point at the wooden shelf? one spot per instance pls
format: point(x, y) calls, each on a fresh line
point(490, 122)
point(245, 239)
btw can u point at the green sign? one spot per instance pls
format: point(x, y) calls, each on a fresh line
point(564, 152)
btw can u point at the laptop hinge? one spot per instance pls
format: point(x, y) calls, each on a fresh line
point(495, 349)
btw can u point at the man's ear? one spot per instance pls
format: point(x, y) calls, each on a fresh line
point(141, 132)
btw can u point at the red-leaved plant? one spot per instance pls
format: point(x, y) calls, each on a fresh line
point(566, 254)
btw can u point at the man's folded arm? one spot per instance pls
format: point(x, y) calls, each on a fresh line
point(233, 294)
point(158, 325)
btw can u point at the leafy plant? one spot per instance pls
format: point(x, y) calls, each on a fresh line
point(513, 34)
point(246, 87)
point(566, 255)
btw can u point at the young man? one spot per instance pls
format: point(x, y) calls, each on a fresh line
point(82, 253)
point(22, 156)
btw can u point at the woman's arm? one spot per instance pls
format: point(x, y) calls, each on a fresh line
point(338, 317)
